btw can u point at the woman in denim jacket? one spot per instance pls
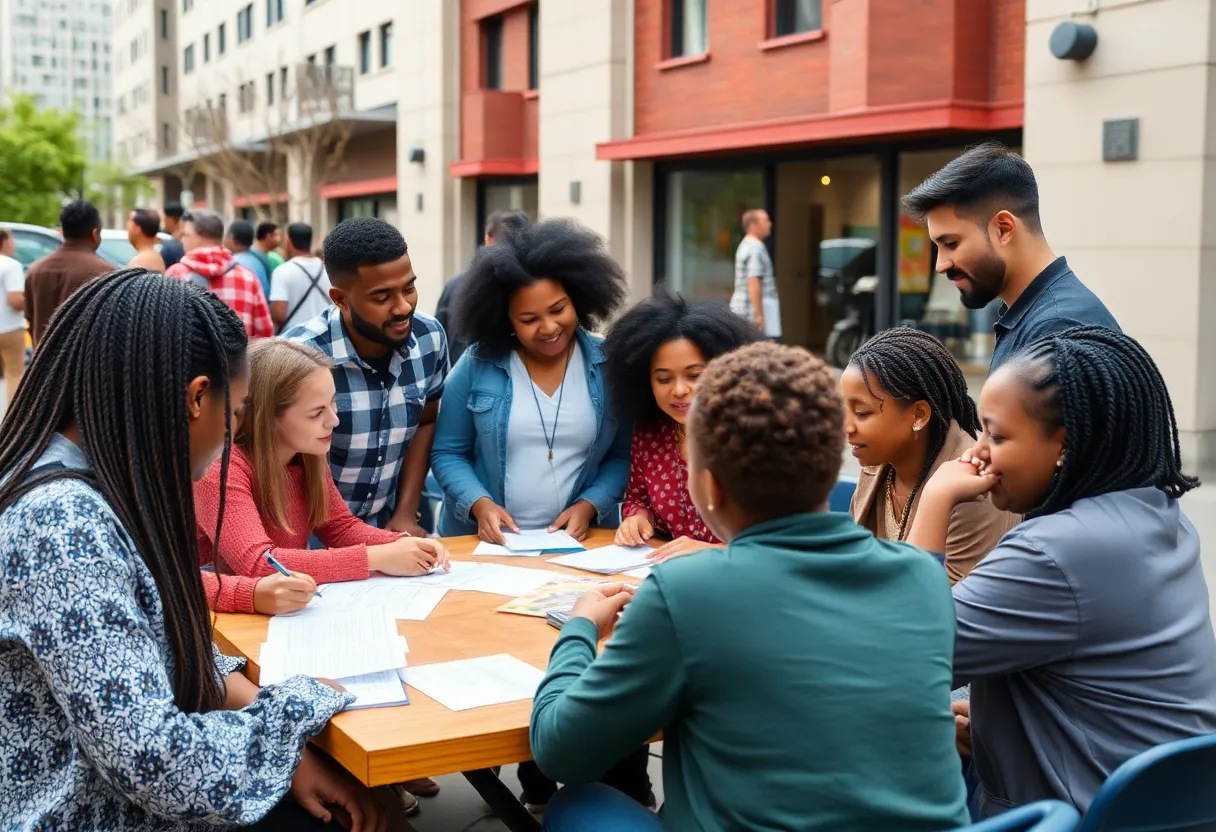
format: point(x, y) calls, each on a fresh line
point(527, 436)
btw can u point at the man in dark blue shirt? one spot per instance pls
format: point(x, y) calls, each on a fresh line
point(982, 211)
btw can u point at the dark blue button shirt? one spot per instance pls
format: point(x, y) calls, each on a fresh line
point(1054, 301)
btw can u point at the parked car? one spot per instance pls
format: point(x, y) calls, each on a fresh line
point(36, 241)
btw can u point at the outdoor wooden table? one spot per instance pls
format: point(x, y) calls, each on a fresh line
point(424, 739)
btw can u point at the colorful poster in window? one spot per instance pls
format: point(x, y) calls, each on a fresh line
point(914, 251)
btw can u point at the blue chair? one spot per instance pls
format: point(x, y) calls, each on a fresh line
point(428, 506)
point(842, 494)
point(1165, 789)
point(1041, 816)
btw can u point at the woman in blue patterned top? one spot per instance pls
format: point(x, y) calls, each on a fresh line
point(116, 711)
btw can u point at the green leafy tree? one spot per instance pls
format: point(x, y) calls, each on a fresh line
point(40, 161)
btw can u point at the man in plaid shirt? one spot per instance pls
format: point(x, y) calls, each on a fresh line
point(212, 266)
point(390, 364)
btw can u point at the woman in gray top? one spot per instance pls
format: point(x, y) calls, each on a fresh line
point(1086, 634)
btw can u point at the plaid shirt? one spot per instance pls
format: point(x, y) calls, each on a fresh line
point(378, 415)
point(239, 289)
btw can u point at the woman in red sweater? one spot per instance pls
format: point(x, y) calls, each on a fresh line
point(280, 490)
point(656, 353)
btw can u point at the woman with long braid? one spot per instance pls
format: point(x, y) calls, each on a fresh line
point(119, 712)
point(907, 412)
point(1085, 634)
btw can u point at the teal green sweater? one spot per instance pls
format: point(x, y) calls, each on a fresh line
point(801, 678)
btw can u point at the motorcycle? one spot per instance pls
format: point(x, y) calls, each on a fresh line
point(846, 290)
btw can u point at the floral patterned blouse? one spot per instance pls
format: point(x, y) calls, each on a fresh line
point(90, 737)
point(658, 484)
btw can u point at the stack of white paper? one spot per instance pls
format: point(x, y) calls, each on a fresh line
point(638, 573)
point(336, 646)
point(608, 559)
point(493, 550)
point(541, 540)
point(376, 690)
point(494, 578)
point(401, 598)
point(475, 683)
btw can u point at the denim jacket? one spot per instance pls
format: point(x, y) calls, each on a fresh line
point(469, 456)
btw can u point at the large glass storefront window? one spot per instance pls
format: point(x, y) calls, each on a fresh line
point(510, 195)
point(703, 214)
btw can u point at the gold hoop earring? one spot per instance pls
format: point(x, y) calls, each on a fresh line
point(710, 508)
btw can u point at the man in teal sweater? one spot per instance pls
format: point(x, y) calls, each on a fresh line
point(801, 677)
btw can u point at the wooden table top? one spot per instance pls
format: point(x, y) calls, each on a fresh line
point(425, 739)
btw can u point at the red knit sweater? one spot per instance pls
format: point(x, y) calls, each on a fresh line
point(232, 593)
point(247, 535)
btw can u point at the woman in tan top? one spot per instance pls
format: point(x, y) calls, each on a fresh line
point(907, 411)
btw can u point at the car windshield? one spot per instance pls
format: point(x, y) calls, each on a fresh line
point(119, 252)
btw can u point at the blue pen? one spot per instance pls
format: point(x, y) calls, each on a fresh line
point(280, 568)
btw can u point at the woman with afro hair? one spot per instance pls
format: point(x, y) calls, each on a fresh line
point(656, 353)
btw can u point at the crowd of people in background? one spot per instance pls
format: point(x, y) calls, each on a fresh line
point(807, 668)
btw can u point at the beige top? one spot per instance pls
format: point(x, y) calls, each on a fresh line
point(975, 527)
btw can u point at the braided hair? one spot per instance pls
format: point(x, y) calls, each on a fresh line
point(913, 366)
point(116, 361)
point(1107, 394)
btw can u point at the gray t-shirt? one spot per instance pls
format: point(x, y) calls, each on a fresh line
point(1087, 638)
point(752, 260)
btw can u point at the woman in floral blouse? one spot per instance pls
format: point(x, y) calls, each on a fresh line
point(118, 712)
point(656, 352)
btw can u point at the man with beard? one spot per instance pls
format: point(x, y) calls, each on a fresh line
point(390, 363)
point(982, 211)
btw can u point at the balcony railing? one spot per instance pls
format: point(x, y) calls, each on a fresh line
point(206, 125)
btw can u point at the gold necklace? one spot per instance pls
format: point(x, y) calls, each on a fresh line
point(894, 525)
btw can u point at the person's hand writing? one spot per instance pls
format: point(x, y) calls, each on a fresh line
point(576, 520)
point(405, 525)
point(280, 594)
point(408, 556)
point(634, 531)
point(962, 726)
point(961, 481)
point(602, 607)
point(679, 547)
point(317, 785)
point(491, 519)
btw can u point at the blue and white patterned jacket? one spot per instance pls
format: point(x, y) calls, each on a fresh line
point(90, 737)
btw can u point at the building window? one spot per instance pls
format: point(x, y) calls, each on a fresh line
point(187, 5)
point(246, 97)
point(164, 24)
point(491, 45)
point(331, 56)
point(283, 83)
point(134, 51)
point(207, 47)
point(269, 88)
point(793, 17)
point(689, 28)
point(188, 59)
point(534, 46)
point(275, 12)
point(221, 39)
point(244, 24)
point(224, 101)
point(166, 136)
point(365, 53)
point(164, 80)
point(386, 44)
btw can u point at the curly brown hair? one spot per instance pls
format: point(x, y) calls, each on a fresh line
point(768, 421)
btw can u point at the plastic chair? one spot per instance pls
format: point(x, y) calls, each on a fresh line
point(1164, 789)
point(1041, 816)
point(842, 494)
point(429, 505)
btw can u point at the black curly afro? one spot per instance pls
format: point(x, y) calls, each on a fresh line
point(639, 333)
point(557, 249)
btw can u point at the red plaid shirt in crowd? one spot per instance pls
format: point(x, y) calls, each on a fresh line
point(239, 288)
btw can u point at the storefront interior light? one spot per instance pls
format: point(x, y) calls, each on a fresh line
point(825, 180)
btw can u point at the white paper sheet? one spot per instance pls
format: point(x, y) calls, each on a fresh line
point(402, 598)
point(608, 559)
point(493, 550)
point(512, 581)
point(534, 540)
point(376, 690)
point(475, 683)
point(461, 573)
point(638, 573)
point(334, 646)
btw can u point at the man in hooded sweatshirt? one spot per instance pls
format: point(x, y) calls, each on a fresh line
point(210, 265)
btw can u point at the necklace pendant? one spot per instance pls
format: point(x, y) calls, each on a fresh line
point(550, 454)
